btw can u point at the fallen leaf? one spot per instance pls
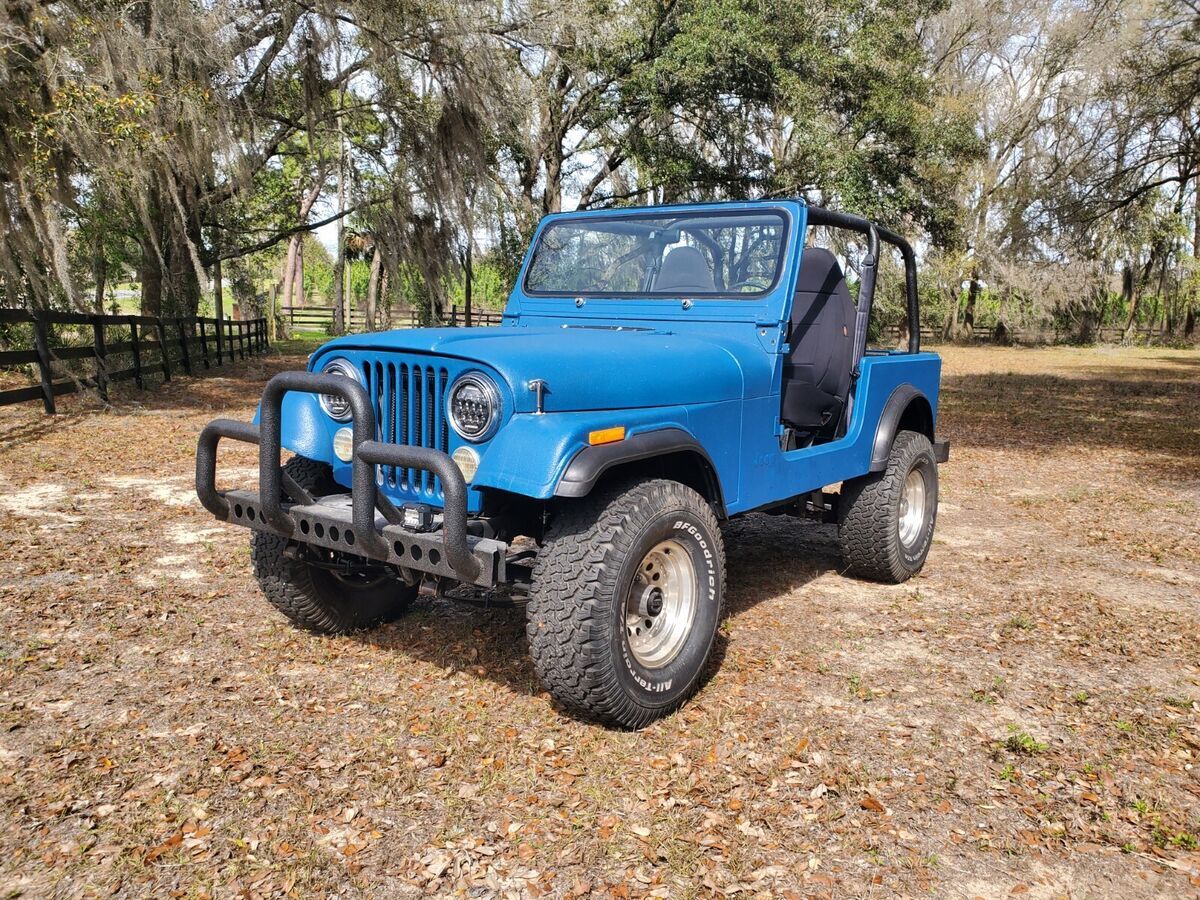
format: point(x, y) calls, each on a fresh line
point(869, 802)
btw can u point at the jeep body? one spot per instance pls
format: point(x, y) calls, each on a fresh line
point(698, 361)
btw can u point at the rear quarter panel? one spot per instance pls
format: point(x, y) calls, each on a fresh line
point(768, 474)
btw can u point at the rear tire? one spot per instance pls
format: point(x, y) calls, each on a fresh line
point(317, 599)
point(886, 519)
point(627, 595)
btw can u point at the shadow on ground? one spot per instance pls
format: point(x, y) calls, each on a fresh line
point(778, 555)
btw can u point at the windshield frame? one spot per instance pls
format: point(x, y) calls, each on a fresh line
point(683, 213)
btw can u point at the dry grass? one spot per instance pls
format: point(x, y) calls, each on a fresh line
point(1022, 718)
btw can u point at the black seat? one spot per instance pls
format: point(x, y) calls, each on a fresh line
point(816, 373)
point(685, 269)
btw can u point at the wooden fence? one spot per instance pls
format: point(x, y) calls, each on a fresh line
point(320, 318)
point(148, 345)
point(985, 334)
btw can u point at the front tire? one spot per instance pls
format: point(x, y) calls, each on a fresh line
point(886, 519)
point(627, 595)
point(319, 599)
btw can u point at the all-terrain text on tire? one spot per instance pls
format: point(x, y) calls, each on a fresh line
point(657, 373)
point(627, 595)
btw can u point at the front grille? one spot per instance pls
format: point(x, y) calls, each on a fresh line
point(410, 409)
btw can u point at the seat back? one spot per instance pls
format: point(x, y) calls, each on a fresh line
point(816, 373)
point(685, 269)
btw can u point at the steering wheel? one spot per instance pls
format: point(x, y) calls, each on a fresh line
point(758, 283)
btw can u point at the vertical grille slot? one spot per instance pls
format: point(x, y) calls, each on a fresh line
point(388, 419)
point(402, 418)
point(418, 416)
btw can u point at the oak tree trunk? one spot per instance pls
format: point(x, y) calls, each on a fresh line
point(373, 288)
point(467, 278)
point(99, 274)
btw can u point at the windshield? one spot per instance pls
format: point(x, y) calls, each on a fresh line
point(701, 254)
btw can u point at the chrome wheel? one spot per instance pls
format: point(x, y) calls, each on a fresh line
point(661, 605)
point(912, 508)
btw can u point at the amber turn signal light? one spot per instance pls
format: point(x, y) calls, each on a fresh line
point(607, 435)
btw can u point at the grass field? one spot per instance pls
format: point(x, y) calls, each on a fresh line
point(1022, 719)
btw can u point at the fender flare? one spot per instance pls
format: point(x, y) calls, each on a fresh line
point(586, 467)
point(889, 423)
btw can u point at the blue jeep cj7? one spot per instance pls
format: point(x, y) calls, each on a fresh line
point(657, 372)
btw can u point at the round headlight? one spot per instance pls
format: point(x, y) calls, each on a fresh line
point(473, 407)
point(338, 407)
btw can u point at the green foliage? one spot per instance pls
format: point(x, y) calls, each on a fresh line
point(489, 288)
point(834, 104)
point(318, 270)
point(135, 154)
point(1024, 743)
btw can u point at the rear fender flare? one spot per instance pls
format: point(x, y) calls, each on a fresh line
point(903, 399)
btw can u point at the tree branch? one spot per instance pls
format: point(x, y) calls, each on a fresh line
point(287, 233)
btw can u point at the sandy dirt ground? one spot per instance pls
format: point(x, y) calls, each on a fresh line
point(1022, 719)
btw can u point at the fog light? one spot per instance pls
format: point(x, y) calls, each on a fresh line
point(417, 517)
point(467, 461)
point(343, 444)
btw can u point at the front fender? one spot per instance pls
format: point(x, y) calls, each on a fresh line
point(530, 454)
point(306, 431)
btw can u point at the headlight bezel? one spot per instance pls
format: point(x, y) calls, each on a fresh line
point(491, 391)
point(339, 365)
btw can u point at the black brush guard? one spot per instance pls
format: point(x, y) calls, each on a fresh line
point(354, 527)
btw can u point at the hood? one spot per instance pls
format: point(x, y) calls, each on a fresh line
point(586, 367)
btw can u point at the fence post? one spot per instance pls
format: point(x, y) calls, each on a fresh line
point(453, 315)
point(266, 336)
point(42, 344)
point(101, 357)
point(183, 347)
point(203, 340)
point(137, 353)
point(161, 330)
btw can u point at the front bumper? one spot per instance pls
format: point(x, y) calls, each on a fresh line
point(362, 523)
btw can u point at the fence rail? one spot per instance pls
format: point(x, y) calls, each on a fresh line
point(320, 318)
point(153, 345)
point(986, 334)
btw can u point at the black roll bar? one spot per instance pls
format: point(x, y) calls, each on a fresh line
point(825, 217)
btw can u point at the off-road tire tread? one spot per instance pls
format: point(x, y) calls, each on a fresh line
point(867, 528)
point(288, 584)
point(574, 583)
